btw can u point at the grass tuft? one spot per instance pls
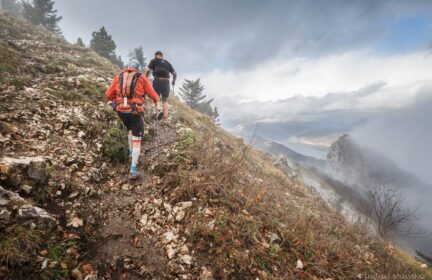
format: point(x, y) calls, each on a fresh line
point(115, 146)
point(18, 245)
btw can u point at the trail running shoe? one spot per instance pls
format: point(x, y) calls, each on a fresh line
point(159, 116)
point(133, 175)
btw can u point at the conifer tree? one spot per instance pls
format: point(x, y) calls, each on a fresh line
point(119, 62)
point(192, 93)
point(104, 45)
point(42, 13)
point(216, 114)
point(137, 54)
point(80, 42)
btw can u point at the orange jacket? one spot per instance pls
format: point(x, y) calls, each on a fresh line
point(143, 87)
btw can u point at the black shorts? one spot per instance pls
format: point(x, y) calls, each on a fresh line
point(133, 122)
point(162, 87)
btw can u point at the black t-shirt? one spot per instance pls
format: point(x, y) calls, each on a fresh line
point(161, 68)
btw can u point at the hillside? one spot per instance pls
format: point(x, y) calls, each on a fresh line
point(208, 207)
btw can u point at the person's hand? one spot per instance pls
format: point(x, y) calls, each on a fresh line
point(173, 83)
point(112, 104)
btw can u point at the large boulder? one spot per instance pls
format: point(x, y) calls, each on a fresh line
point(15, 172)
point(31, 212)
point(8, 197)
point(15, 208)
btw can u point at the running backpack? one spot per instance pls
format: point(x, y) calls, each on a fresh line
point(127, 80)
point(161, 69)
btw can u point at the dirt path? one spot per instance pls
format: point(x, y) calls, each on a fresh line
point(139, 234)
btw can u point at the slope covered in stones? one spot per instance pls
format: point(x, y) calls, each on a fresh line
point(206, 207)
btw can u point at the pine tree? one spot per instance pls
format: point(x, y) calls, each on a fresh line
point(216, 114)
point(137, 54)
point(11, 6)
point(41, 12)
point(192, 93)
point(119, 62)
point(80, 43)
point(104, 45)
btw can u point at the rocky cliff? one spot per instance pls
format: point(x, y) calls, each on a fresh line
point(207, 206)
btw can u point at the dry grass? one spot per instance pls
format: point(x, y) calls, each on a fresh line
point(249, 201)
point(18, 245)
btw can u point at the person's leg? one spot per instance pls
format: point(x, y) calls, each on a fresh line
point(130, 143)
point(158, 87)
point(137, 132)
point(165, 94)
point(165, 109)
point(136, 149)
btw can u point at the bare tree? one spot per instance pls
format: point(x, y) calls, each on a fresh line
point(387, 208)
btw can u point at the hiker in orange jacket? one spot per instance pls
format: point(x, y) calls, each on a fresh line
point(127, 94)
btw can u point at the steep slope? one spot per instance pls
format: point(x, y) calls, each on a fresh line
point(359, 167)
point(364, 166)
point(207, 207)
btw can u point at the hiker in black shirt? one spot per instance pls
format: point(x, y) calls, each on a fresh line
point(161, 69)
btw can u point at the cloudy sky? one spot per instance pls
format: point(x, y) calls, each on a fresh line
point(297, 57)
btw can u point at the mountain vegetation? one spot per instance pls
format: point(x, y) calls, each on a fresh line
point(208, 206)
point(42, 13)
point(80, 43)
point(192, 94)
point(103, 44)
point(137, 55)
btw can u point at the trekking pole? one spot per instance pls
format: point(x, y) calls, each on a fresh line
point(157, 138)
point(173, 107)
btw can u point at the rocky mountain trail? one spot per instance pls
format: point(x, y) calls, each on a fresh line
point(207, 206)
point(141, 232)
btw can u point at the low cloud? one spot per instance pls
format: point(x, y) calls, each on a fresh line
point(306, 89)
point(404, 135)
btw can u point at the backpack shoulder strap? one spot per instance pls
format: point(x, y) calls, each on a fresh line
point(121, 75)
point(133, 84)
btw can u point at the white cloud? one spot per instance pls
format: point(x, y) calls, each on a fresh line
point(309, 82)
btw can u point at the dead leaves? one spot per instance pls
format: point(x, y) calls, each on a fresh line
point(75, 222)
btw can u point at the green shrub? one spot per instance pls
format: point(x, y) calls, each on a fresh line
point(70, 95)
point(20, 82)
point(9, 59)
point(93, 92)
point(18, 244)
point(187, 139)
point(94, 129)
point(115, 145)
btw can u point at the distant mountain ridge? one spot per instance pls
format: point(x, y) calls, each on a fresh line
point(277, 149)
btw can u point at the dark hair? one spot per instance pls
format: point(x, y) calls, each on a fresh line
point(158, 53)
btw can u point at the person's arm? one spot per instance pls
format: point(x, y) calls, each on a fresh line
point(173, 73)
point(149, 68)
point(112, 90)
point(149, 90)
point(147, 72)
